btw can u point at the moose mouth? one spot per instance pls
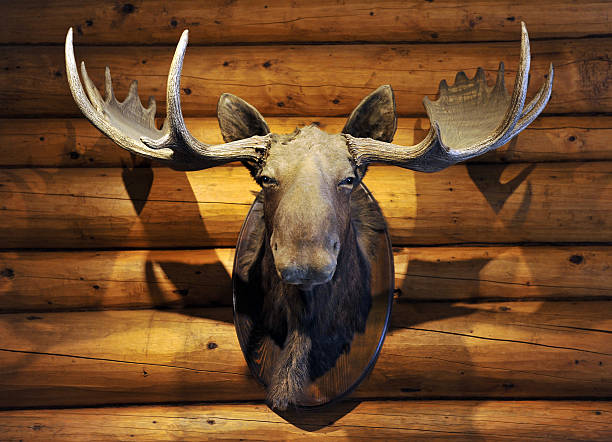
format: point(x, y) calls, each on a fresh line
point(305, 283)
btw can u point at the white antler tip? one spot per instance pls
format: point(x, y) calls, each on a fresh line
point(551, 74)
point(524, 32)
point(69, 41)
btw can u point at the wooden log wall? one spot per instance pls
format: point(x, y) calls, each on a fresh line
point(115, 273)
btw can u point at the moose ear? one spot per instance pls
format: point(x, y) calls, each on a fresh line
point(374, 117)
point(238, 119)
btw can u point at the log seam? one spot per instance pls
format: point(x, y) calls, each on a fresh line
point(73, 195)
point(91, 358)
point(488, 367)
point(457, 278)
point(507, 340)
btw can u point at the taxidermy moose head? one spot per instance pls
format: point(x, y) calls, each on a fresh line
point(307, 263)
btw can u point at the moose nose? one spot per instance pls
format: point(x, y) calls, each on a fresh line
point(307, 264)
point(293, 273)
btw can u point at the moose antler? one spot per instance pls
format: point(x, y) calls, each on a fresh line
point(132, 126)
point(467, 120)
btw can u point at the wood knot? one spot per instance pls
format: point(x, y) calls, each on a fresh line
point(8, 273)
point(576, 259)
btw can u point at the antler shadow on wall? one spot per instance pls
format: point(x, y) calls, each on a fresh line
point(184, 276)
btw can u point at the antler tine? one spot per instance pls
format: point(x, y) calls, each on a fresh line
point(92, 91)
point(132, 126)
point(535, 106)
point(174, 114)
point(467, 120)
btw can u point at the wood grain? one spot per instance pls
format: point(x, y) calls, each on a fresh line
point(160, 208)
point(314, 80)
point(158, 22)
point(37, 281)
point(55, 281)
point(74, 142)
point(388, 420)
point(477, 273)
point(433, 350)
point(463, 359)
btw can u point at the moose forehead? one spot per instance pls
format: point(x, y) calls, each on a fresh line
point(308, 151)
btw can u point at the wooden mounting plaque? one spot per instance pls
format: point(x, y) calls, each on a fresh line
point(353, 366)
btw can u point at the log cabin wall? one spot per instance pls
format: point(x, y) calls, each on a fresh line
point(115, 273)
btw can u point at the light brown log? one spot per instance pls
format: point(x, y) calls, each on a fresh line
point(159, 21)
point(91, 208)
point(51, 281)
point(461, 273)
point(510, 350)
point(74, 142)
point(37, 281)
point(388, 420)
point(315, 80)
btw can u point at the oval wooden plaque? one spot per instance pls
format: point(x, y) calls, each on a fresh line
point(353, 366)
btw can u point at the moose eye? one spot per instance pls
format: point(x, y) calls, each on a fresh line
point(266, 180)
point(349, 181)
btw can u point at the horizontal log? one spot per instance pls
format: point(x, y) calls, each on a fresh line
point(50, 281)
point(76, 143)
point(471, 273)
point(504, 350)
point(304, 80)
point(388, 420)
point(161, 208)
point(157, 22)
point(38, 281)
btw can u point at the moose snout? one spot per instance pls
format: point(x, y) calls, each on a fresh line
point(293, 273)
point(306, 264)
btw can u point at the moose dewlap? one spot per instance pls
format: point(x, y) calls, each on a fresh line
point(309, 259)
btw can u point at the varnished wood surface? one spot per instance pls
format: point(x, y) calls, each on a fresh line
point(56, 281)
point(477, 273)
point(413, 420)
point(160, 208)
point(157, 22)
point(311, 80)
point(74, 142)
point(459, 350)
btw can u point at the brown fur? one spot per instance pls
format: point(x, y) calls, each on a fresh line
point(312, 327)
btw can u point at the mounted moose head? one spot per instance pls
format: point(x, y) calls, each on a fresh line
point(307, 261)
